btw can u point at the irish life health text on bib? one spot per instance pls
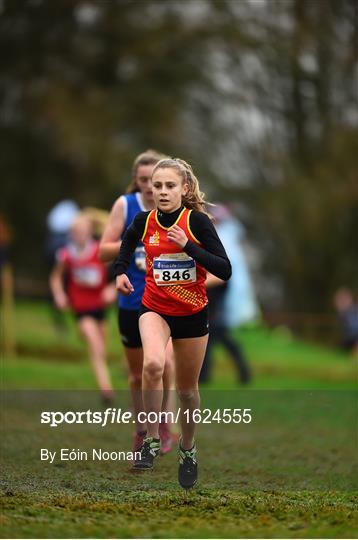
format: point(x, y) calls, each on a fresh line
point(174, 269)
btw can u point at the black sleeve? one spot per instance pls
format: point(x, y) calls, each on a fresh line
point(211, 254)
point(129, 242)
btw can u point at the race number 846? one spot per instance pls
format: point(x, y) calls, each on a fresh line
point(176, 275)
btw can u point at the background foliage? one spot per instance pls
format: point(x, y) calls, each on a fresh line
point(260, 96)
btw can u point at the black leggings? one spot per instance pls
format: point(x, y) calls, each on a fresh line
point(222, 335)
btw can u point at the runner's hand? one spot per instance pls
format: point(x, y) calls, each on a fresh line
point(178, 236)
point(61, 300)
point(123, 285)
point(109, 294)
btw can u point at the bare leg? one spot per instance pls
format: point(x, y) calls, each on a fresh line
point(168, 378)
point(92, 332)
point(134, 357)
point(168, 405)
point(155, 334)
point(189, 356)
point(103, 330)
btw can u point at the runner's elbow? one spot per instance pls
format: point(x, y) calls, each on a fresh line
point(227, 273)
point(103, 255)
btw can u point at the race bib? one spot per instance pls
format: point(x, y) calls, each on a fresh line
point(139, 258)
point(174, 269)
point(89, 276)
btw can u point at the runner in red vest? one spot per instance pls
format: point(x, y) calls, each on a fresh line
point(180, 244)
point(87, 293)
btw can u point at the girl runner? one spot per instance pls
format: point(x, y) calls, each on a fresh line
point(139, 197)
point(180, 244)
point(87, 294)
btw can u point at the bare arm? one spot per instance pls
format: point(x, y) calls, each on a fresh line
point(213, 281)
point(110, 241)
point(56, 285)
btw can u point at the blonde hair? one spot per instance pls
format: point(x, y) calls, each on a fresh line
point(194, 198)
point(149, 157)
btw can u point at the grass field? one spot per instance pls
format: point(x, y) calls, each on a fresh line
point(291, 473)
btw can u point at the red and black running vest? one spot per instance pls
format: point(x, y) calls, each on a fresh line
point(87, 277)
point(174, 283)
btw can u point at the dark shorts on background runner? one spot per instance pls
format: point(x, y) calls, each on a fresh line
point(129, 328)
point(189, 326)
point(98, 314)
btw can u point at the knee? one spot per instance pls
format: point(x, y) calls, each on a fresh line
point(135, 380)
point(187, 395)
point(97, 348)
point(153, 368)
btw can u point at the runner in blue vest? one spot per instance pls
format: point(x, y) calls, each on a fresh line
point(138, 198)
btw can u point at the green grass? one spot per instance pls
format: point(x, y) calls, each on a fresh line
point(203, 514)
point(49, 360)
point(291, 473)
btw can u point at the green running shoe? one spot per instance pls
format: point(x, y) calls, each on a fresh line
point(149, 450)
point(188, 467)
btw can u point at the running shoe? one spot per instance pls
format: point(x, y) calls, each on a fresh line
point(138, 439)
point(188, 467)
point(166, 438)
point(149, 450)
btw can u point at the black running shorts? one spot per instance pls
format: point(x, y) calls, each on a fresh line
point(189, 326)
point(98, 314)
point(128, 328)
